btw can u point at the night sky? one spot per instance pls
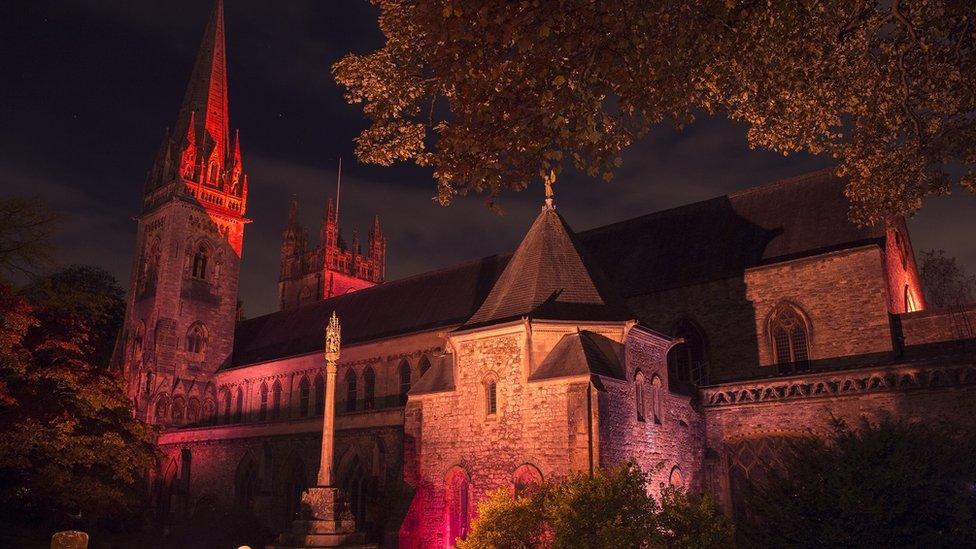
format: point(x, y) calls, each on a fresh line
point(88, 88)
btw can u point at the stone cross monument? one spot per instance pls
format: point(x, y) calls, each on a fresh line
point(328, 522)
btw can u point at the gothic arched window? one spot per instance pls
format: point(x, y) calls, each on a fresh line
point(303, 397)
point(162, 408)
point(789, 336)
point(687, 366)
point(319, 395)
point(525, 476)
point(351, 390)
point(138, 335)
point(209, 411)
point(150, 266)
point(239, 412)
point(491, 396)
point(404, 373)
point(276, 400)
point(458, 505)
point(263, 411)
point(424, 365)
point(193, 411)
point(910, 305)
point(639, 395)
point(149, 382)
point(656, 397)
point(369, 388)
point(200, 257)
point(177, 409)
point(196, 339)
point(227, 406)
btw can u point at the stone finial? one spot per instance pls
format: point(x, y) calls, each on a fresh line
point(333, 333)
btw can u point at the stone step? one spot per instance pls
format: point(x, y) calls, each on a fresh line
point(322, 540)
point(323, 526)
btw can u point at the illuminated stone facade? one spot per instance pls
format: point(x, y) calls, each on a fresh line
point(691, 340)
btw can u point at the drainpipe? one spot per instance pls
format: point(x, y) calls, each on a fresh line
point(589, 425)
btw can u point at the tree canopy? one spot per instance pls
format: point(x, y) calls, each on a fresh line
point(945, 283)
point(890, 484)
point(494, 94)
point(611, 508)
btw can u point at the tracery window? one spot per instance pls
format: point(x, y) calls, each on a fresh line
point(319, 395)
point(404, 373)
point(263, 411)
point(176, 410)
point(276, 400)
point(687, 365)
point(788, 332)
point(162, 408)
point(227, 406)
point(193, 411)
point(910, 305)
point(639, 395)
point(209, 411)
point(303, 396)
point(196, 339)
point(369, 388)
point(351, 390)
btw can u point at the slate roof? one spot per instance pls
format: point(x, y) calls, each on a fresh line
point(548, 277)
point(438, 379)
point(583, 352)
point(701, 242)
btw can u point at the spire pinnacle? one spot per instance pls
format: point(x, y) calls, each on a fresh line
point(206, 93)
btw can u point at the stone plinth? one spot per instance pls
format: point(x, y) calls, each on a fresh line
point(326, 522)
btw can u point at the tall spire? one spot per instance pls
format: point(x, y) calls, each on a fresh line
point(206, 93)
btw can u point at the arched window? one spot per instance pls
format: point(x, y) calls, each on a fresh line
point(227, 406)
point(193, 411)
point(177, 409)
point(209, 411)
point(303, 397)
point(319, 395)
point(351, 390)
point(263, 411)
point(150, 266)
point(200, 257)
point(910, 305)
point(162, 408)
point(639, 395)
point(185, 461)
point(246, 482)
point(404, 373)
point(138, 336)
point(276, 400)
point(369, 388)
point(525, 476)
point(239, 413)
point(788, 333)
point(458, 505)
point(902, 249)
point(196, 339)
point(491, 396)
point(149, 382)
point(656, 404)
point(687, 366)
point(305, 296)
point(675, 478)
point(424, 365)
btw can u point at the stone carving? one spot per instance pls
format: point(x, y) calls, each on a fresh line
point(829, 384)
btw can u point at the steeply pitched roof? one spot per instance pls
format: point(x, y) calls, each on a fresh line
point(583, 352)
point(549, 277)
point(720, 238)
point(706, 241)
point(446, 297)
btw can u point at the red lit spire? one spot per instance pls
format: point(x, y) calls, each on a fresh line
point(206, 94)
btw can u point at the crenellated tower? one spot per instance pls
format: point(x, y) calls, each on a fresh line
point(333, 268)
point(182, 300)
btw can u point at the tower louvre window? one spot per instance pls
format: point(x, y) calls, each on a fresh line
point(200, 263)
point(196, 339)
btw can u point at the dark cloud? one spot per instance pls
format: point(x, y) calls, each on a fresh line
point(90, 86)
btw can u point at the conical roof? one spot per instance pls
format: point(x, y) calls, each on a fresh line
point(549, 277)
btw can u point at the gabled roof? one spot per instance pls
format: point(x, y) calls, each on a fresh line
point(549, 277)
point(583, 352)
point(711, 240)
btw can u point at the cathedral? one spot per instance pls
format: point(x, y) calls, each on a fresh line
point(693, 341)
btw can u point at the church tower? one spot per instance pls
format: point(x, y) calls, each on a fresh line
point(182, 300)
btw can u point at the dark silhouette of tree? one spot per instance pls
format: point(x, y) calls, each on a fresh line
point(496, 94)
point(945, 283)
point(890, 484)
